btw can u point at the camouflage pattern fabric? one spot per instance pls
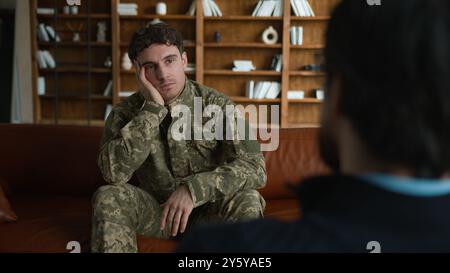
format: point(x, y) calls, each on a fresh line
point(221, 175)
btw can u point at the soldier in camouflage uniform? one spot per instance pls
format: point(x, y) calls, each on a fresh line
point(180, 180)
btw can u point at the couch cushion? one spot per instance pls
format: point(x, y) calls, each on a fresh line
point(296, 158)
point(6, 213)
point(50, 159)
point(47, 224)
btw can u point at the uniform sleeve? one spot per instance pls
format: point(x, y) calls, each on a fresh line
point(243, 168)
point(126, 143)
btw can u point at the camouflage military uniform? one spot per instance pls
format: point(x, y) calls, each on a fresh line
point(221, 175)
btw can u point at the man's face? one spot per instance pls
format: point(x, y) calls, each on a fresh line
point(164, 68)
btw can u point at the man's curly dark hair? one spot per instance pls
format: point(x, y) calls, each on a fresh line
point(160, 33)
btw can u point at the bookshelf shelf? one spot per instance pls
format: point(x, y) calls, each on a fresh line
point(241, 73)
point(242, 45)
point(240, 39)
point(305, 100)
point(307, 73)
point(249, 100)
point(244, 18)
point(74, 16)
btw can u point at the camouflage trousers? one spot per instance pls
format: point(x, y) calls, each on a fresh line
point(123, 211)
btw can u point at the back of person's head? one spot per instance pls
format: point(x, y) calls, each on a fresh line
point(394, 62)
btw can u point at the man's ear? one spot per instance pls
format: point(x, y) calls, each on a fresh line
point(184, 59)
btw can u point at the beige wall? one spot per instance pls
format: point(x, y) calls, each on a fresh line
point(22, 101)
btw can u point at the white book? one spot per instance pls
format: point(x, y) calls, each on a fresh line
point(295, 8)
point(40, 59)
point(242, 62)
point(49, 59)
point(310, 10)
point(264, 89)
point(279, 65)
point(278, 11)
point(257, 89)
point(274, 91)
point(192, 8)
point(304, 8)
point(41, 86)
point(134, 12)
point(51, 32)
point(296, 94)
point(108, 110)
point(292, 33)
point(108, 89)
point(215, 8)
point(250, 88)
point(267, 8)
point(45, 11)
point(126, 93)
point(300, 36)
point(127, 5)
point(258, 6)
point(42, 33)
point(207, 11)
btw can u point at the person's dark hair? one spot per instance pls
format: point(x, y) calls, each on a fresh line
point(394, 60)
point(159, 33)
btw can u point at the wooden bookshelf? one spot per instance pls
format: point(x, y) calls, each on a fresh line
point(75, 87)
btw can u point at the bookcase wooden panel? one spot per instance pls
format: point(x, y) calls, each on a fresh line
point(74, 90)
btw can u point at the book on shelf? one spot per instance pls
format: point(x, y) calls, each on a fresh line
point(126, 93)
point(243, 65)
point(46, 33)
point(263, 90)
point(296, 35)
point(295, 94)
point(108, 89)
point(277, 63)
point(108, 110)
point(45, 59)
point(210, 8)
point(46, 11)
point(190, 67)
point(268, 8)
point(127, 9)
point(302, 8)
point(41, 86)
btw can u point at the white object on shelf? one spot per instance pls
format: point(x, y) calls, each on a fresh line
point(296, 94)
point(108, 89)
point(126, 93)
point(41, 86)
point(108, 110)
point(270, 36)
point(45, 11)
point(320, 94)
point(161, 8)
point(126, 62)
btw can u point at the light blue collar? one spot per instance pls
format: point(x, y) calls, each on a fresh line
point(410, 186)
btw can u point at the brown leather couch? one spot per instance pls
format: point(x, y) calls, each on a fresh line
point(51, 173)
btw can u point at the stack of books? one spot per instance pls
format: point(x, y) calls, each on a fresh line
point(268, 8)
point(210, 8)
point(127, 9)
point(263, 90)
point(296, 34)
point(47, 33)
point(45, 11)
point(295, 94)
point(302, 8)
point(243, 66)
point(45, 59)
point(277, 63)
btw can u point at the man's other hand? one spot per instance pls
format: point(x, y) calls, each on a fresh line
point(176, 210)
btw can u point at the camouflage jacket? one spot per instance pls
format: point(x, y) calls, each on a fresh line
point(137, 139)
